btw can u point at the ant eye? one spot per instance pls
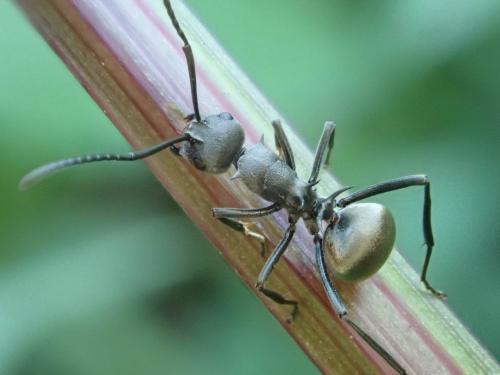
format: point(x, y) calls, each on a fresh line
point(226, 116)
point(193, 141)
point(297, 202)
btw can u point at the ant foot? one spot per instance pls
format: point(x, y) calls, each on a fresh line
point(437, 293)
point(295, 310)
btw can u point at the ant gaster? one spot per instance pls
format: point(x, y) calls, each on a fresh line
point(358, 237)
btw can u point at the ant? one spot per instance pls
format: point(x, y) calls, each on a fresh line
point(352, 240)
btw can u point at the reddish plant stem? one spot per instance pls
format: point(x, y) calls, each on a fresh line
point(128, 58)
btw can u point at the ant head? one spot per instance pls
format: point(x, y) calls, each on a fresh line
point(225, 116)
point(220, 119)
point(215, 142)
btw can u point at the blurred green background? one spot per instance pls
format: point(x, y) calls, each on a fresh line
point(101, 272)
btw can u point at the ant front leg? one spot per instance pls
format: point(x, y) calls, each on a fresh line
point(282, 144)
point(325, 142)
point(228, 216)
point(401, 183)
point(244, 228)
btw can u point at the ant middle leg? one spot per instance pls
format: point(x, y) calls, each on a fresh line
point(267, 269)
point(227, 216)
point(401, 183)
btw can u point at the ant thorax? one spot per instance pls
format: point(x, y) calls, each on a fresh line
point(268, 176)
point(214, 143)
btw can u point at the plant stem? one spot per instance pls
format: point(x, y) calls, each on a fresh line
point(129, 59)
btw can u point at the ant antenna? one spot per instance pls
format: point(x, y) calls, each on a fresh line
point(40, 173)
point(189, 58)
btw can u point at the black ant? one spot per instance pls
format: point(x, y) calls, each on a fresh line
point(352, 240)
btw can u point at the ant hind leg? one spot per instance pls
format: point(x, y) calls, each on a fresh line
point(401, 183)
point(341, 311)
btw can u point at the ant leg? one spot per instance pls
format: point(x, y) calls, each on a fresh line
point(189, 58)
point(341, 311)
point(401, 183)
point(326, 141)
point(331, 292)
point(282, 144)
point(330, 148)
point(243, 227)
point(245, 213)
point(227, 216)
point(267, 269)
point(46, 170)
